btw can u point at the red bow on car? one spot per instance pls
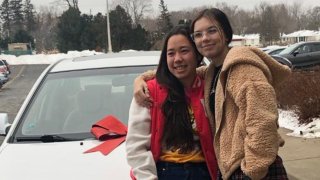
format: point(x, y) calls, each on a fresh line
point(110, 130)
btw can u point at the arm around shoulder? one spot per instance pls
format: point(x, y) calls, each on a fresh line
point(201, 71)
point(141, 92)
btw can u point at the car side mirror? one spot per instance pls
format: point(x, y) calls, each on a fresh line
point(4, 124)
point(295, 53)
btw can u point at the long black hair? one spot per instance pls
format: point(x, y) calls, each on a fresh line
point(220, 17)
point(178, 133)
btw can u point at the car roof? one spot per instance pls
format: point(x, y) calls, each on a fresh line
point(307, 42)
point(122, 59)
point(275, 48)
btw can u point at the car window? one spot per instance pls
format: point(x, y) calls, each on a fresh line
point(316, 47)
point(277, 51)
point(71, 102)
point(289, 49)
point(306, 48)
point(1, 63)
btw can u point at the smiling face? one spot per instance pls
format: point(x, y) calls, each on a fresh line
point(181, 59)
point(209, 38)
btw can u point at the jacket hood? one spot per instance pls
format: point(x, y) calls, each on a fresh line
point(273, 70)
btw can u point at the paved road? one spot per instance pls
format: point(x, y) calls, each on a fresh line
point(301, 157)
point(13, 93)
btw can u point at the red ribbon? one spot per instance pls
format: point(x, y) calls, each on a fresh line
point(110, 130)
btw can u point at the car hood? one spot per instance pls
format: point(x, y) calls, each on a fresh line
point(62, 160)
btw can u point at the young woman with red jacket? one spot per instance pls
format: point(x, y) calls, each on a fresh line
point(172, 139)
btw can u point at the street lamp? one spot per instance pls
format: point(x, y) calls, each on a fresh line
point(108, 30)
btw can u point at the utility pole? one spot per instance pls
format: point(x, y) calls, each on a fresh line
point(108, 30)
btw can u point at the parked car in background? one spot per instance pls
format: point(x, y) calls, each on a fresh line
point(282, 60)
point(3, 78)
point(275, 50)
point(52, 129)
point(1, 83)
point(302, 54)
point(7, 64)
point(4, 67)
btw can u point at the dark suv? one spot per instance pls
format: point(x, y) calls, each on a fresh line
point(302, 54)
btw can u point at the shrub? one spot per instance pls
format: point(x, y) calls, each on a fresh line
point(301, 93)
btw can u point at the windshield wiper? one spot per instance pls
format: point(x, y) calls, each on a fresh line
point(46, 138)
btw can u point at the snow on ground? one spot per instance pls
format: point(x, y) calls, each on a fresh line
point(287, 119)
point(45, 58)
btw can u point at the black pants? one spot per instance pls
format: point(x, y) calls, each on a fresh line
point(182, 171)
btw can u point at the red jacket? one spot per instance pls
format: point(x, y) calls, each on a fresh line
point(196, 96)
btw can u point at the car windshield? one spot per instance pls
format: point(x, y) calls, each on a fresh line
point(69, 103)
point(289, 49)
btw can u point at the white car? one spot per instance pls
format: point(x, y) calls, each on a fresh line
point(51, 131)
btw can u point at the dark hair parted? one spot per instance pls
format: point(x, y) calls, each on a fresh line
point(220, 17)
point(177, 132)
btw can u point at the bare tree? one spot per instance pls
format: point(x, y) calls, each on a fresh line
point(232, 13)
point(136, 8)
point(186, 14)
point(297, 14)
point(47, 19)
point(313, 17)
point(269, 26)
point(69, 3)
point(285, 21)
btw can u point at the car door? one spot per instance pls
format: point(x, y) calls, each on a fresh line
point(301, 55)
point(315, 53)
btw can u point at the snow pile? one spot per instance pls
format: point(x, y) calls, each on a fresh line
point(45, 58)
point(289, 120)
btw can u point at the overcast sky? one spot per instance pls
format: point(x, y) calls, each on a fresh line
point(96, 6)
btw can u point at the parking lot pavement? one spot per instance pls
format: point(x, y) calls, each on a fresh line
point(301, 157)
point(14, 92)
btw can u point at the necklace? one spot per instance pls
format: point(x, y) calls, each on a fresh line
point(213, 89)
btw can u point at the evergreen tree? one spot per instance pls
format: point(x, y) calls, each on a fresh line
point(87, 33)
point(23, 36)
point(17, 15)
point(4, 43)
point(139, 39)
point(164, 21)
point(69, 30)
point(6, 19)
point(29, 16)
point(121, 27)
point(99, 28)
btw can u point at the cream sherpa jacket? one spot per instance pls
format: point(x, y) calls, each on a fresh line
point(245, 118)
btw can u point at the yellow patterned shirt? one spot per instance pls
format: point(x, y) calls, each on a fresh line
point(194, 156)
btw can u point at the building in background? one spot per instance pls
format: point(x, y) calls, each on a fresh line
point(301, 36)
point(285, 39)
point(238, 41)
point(18, 49)
point(252, 40)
